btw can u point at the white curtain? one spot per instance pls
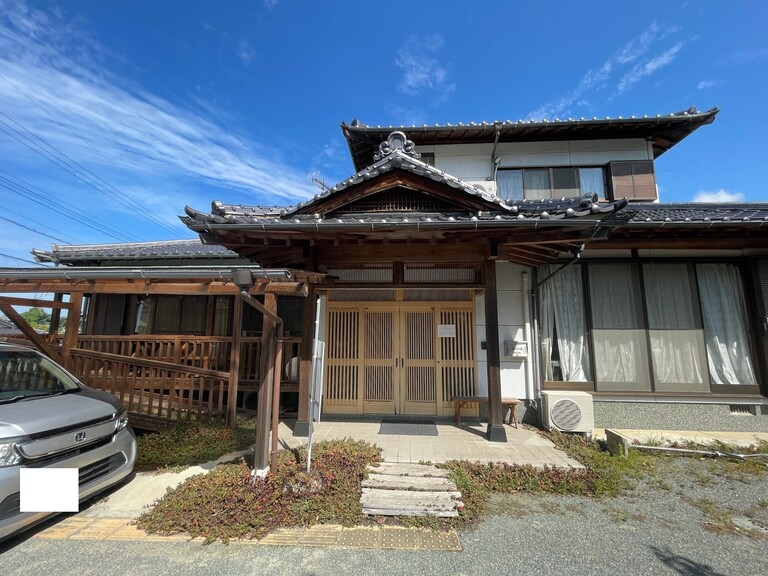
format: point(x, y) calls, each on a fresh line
point(510, 183)
point(677, 346)
point(722, 308)
point(618, 338)
point(592, 181)
point(563, 313)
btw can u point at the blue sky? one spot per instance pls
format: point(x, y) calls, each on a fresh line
point(115, 115)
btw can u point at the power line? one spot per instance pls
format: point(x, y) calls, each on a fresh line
point(51, 228)
point(32, 229)
point(62, 209)
point(21, 259)
point(80, 172)
point(85, 141)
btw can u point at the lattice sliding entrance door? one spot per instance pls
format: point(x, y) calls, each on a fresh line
point(342, 351)
point(458, 369)
point(399, 358)
point(418, 389)
point(379, 361)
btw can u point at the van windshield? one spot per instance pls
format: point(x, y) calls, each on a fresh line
point(27, 374)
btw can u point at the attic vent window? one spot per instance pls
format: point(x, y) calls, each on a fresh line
point(398, 200)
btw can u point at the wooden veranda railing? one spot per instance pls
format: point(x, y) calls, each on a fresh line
point(153, 389)
point(161, 378)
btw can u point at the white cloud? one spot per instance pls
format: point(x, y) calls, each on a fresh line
point(422, 71)
point(647, 68)
point(629, 61)
point(704, 84)
point(271, 3)
point(720, 195)
point(245, 52)
point(52, 84)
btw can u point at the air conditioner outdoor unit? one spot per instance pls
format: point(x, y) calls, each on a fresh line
point(487, 186)
point(567, 411)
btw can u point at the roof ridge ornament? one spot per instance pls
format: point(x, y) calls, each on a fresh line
point(396, 141)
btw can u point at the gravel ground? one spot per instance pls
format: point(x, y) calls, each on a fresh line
point(692, 517)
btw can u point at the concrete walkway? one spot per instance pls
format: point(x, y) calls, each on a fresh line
point(406, 443)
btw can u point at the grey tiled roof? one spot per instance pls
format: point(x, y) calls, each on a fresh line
point(755, 214)
point(398, 157)
point(170, 249)
point(663, 131)
point(520, 212)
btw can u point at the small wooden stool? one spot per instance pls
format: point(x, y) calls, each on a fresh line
point(460, 401)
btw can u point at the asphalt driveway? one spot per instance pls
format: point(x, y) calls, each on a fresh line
point(692, 517)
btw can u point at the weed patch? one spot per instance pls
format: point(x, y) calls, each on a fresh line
point(227, 503)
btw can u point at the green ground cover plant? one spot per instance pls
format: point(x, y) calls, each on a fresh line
point(189, 443)
point(228, 503)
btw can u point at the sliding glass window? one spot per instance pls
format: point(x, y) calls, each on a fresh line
point(618, 331)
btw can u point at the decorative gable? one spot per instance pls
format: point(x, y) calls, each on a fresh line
point(398, 181)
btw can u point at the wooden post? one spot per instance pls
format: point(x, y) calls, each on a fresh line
point(234, 360)
point(263, 420)
point(53, 328)
point(496, 432)
point(277, 375)
point(28, 331)
point(71, 328)
point(305, 367)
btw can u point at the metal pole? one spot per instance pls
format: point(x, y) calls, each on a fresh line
point(312, 399)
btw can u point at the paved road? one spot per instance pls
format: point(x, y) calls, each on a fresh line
point(655, 529)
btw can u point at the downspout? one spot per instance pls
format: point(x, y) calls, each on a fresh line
point(576, 251)
point(527, 329)
point(277, 374)
point(494, 160)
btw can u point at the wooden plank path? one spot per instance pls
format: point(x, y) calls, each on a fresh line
point(409, 490)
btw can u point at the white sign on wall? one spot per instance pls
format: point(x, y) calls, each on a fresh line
point(446, 330)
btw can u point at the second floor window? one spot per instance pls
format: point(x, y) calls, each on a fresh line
point(545, 183)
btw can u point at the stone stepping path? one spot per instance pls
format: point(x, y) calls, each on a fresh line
point(393, 489)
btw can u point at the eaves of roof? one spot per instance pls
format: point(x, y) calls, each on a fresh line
point(663, 131)
point(692, 214)
point(576, 211)
point(158, 250)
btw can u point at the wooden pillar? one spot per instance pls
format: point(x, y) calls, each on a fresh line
point(53, 328)
point(266, 377)
point(496, 432)
point(234, 360)
point(305, 368)
point(72, 327)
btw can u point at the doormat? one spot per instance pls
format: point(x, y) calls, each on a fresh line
point(406, 428)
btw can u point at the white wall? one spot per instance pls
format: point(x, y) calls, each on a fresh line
point(473, 161)
point(509, 295)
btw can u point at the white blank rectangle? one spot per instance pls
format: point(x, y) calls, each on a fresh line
point(49, 489)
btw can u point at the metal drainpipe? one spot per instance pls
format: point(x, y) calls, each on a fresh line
point(527, 320)
point(576, 258)
point(277, 374)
